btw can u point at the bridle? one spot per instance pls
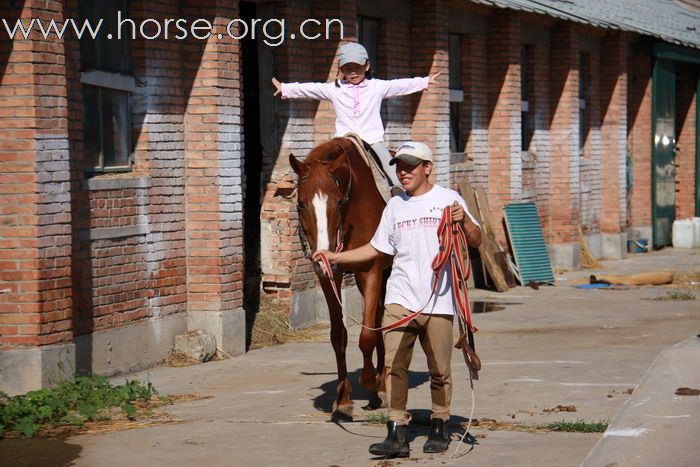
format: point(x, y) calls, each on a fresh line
point(340, 234)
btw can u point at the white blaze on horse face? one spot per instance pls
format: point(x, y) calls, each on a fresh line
point(320, 202)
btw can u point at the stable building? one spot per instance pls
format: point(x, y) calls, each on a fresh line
point(144, 183)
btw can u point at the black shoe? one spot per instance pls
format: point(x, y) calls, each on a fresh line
point(395, 444)
point(438, 440)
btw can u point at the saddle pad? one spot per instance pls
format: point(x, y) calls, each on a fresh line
point(377, 173)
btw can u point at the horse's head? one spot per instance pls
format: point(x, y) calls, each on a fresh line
point(323, 190)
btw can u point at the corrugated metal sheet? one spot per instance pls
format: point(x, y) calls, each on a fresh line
point(664, 19)
point(526, 238)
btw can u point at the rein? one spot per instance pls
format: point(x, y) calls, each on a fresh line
point(339, 242)
point(453, 242)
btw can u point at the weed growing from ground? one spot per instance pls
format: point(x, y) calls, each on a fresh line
point(378, 418)
point(73, 402)
point(580, 426)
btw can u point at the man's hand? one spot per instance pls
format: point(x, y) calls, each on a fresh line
point(472, 231)
point(457, 212)
point(277, 85)
point(316, 257)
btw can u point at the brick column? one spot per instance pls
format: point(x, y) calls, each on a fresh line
point(431, 124)
point(561, 233)
point(687, 78)
point(505, 155)
point(324, 58)
point(639, 140)
point(213, 160)
point(613, 216)
point(476, 67)
point(36, 336)
point(542, 140)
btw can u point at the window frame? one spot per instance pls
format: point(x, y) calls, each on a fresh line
point(584, 98)
point(527, 98)
point(456, 92)
point(98, 74)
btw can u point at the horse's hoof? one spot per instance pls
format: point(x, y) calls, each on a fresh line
point(375, 402)
point(383, 398)
point(369, 381)
point(341, 414)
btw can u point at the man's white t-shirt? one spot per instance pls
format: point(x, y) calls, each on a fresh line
point(408, 232)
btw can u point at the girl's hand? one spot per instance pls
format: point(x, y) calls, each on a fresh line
point(432, 79)
point(277, 85)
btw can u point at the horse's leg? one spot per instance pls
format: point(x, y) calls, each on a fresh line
point(370, 284)
point(342, 407)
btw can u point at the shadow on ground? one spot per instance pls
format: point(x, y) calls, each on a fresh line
point(35, 452)
point(324, 402)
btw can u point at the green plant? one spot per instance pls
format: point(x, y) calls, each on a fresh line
point(676, 295)
point(73, 402)
point(580, 426)
point(680, 295)
point(378, 418)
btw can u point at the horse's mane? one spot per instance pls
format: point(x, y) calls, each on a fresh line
point(329, 151)
point(319, 159)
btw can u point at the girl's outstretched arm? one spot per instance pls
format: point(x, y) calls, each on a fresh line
point(432, 79)
point(277, 85)
point(318, 91)
point(404, 86)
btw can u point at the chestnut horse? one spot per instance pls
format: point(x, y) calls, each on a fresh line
point(339, 204)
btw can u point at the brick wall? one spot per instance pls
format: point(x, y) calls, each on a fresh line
point(179, 210)
point(142, 274)
point(590, 161)
point(542, 139)
point(478, 143)
point(395, 56)
point(504, 164)
point(284, 268)
point(474, 112)
point(34, 194)
point(686, 139)
point(613, 216)
point(563, 212)
point(639, 134)
point(429, 55)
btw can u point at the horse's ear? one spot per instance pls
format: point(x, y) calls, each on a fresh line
point(340, 168)
point(298, 166)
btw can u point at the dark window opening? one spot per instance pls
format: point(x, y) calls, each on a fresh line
point(584, 99)
point(527, 101)
point(107, 89)
point(456, 97)
point(368, 35)
point(252, 171)
point(527, 96)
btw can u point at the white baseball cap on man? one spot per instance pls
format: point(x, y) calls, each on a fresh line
point(352, 52)
point(413, 153)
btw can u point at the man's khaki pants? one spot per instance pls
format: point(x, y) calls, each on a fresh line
point(435, 334)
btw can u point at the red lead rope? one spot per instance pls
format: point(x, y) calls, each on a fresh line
point(327, 266)
point(453, 243)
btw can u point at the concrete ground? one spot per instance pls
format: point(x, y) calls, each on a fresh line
point(556, 346)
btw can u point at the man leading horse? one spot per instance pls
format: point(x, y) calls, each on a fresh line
point(408, 232)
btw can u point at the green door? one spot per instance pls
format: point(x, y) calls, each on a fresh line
point(663, 176)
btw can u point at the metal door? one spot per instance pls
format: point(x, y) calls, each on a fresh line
point(664, 148)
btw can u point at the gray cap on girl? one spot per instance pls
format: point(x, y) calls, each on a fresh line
point(352, 52)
